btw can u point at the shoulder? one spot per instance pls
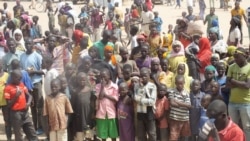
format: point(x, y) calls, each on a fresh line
point(151, 85)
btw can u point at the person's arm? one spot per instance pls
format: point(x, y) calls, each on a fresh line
point(150, 101)
point(205, 21)
point(119, 71)
point(11, 102)
point(240, 84)
point(29, 99)
point(56, 11)
point(135, 68)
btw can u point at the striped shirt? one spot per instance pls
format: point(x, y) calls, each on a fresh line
point(179, 113)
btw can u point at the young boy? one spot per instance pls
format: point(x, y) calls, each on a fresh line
point(19, 100)
point(195, 98)
point(205, 101)
point(179, 110)
point(36, 30)
point(161, 113)
point(57, 107)
point(133, 36)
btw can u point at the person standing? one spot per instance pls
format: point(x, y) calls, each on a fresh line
point(147, 17)
point(209, 18)
point(18, 10)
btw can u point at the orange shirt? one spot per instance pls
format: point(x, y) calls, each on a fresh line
point(162, 105)
point(10, 92)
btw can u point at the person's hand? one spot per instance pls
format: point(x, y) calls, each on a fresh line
point(206, 129)
point(18, 92)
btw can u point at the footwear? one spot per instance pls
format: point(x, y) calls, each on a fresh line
point(39, 131)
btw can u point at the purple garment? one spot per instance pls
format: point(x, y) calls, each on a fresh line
point(125, 114)
point(143, 63)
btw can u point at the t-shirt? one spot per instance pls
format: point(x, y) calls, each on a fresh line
point(234, 35)
point(162, 105)
point(239, 95)
point(238, 12)
point(209, 18)
point(49, 76)
point(134, 41)
point(3, 81)
point(10, 92)
point(101, 47)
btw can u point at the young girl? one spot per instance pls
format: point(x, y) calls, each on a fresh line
point(125, 114)
point(169, 74)
point(182, 69)
point(144, 60)
point(107, 95)
point(154, 41)
point(109, 56)
point(209, 77)
point(176, 55)
point(83, 103)
point(18, 36)
point(215, 58)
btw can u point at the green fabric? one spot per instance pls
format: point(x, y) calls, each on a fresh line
point(239, 95)
point(106, 128)
point(209, 18)
point(101, 47)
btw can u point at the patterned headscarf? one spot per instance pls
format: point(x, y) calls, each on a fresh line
point(113, 59)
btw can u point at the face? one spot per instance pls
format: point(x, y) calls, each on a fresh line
point(144, 75)
point(106, 37)
point(35, 20)
point(214, 61)
point(52, 42)
point(154, 31)
point(181, 69)
point(162, 91)
point(215, 88)
point(12, 46)
point(140, 41)
point(126, 73)
point(124, 54)
point(108, 54)
point(196, 85)
point(81, 79)
point(86, 63)
point(105, 76)
point(239, 59)
point(212, 36)
point(164, 65)
point(177, 48)
point(92, 53)
point(212, 10)
point(55, 87)
point(69, 70)
point(64, 83)
point(205, 101)
point(190, 10)
point(170, 27)
point(218, 117)
point(155, 65)
point(18, 37)
point(209, 75)
point(5, 5)
point(123, 90)
point(180, 84)
point(134, 81)
point(221, 69)
point(16, 78)
point(237, 5)
point(29, 45)
point(144, 51)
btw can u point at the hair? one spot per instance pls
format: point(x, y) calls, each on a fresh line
point(15, 63)
point(144, 69)
point(48, 59)
point(78, 26)
point(127, 66)
point(11, 40)
point(218, 107)
point(35, 17)
point(179, 77)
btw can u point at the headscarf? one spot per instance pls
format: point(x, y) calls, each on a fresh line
point(26, 19)
point(141, 36)
point(16, 22)
point(21, 42)
point(211, 68)
point(2, 39)
point(113, 59)
point(231, 50)
point(78, 35)
point(204, 54)
point(215, 30)
point(180, 53)
point(215, 23)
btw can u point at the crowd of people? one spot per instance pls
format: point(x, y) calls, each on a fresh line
point(87, 81)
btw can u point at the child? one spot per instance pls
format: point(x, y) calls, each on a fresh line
point(107, 95)
point(215, 58)
point(83, 103)
point(64, 86)
point(161, 113)
point(154, 41)
point(205, 101)
point(169, 74)
point(127, 22)
point(51, 17)
point(56, 108)
point(144, 60)
point(179, 110)
point(195, 98)
point(176, 55)
point(176, 32)
point(158, 21)
point(116, 31)
point(209, 77)
point(133, 39)
point(126, 73)
point(221, 79)
point(157, 76)
point(83, 13)
point(215, 91)
point(125, 114)
point(19, 100)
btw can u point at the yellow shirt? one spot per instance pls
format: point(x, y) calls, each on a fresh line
point(155, 44)
point(239, 12)
point(167, 41)
point(174, 61)
point(3, 81)
point(168, 79)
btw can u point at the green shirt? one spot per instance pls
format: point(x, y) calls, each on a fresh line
point(209, 18)
point(101, 47)
point(239, 95)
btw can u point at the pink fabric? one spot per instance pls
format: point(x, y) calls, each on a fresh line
point(180, 53)
point(27, 19)
point(106, 106)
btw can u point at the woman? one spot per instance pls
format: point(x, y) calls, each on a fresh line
point(77, 36)
point(217, 45)
point(136, 51)
point(12, 26)
point(204, 55)
point(154, 41)
point(235, 35)
point(18, 36)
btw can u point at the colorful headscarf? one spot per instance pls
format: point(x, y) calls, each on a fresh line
point(180, 53)
point(26, 19)
point(141, 36)
point(16, 22)
point(231, 50)
point(78, 35)
point(204, 54)
point(21, 42)
point(215, 23)
point(211, 68)
point(113, 59)
point(215, 30)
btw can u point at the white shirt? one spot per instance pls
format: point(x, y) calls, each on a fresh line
point(235, 34)
point(147, 17)
point(49, 76)
point(134, 42)
point(220, 47)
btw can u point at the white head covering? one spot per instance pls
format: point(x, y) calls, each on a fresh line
point(21, 42)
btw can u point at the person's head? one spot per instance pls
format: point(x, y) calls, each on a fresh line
point(155, 64)
point(212, 10)
point(177, 46)
point(181, 68)
point(111, 15)
point(156, 14)
point(11, 43)
point(83, 9)
point(124, 53)
point(52, 42)
point(164, 64)
point(195, 86)
point(140, 40)
point(29, 45)
point(116, 4)
point(64, 83)
point(79, 26)
point(11, 25)
point(83, 20)
point(221, 68)
point(82, 79)
point(55, 85)
point(15, 64)
point(47, 62)
point(180, 82)
point(154, 31)
point(206, 100)
point(184, 14)
point(70, 69)
point(108, 52)
point(170, 27)
point(210, 73)
point(47, 33)
point(18, 35)
point(183, 22)
point(218, 110)
point(94, 53)
point(162, 91)
point(117, 16)
point(240, 56)
point(237, 4)
point(127, 71)
point(5, 5)
point(144, 75)
point(145, 8)
point(123, 89)
point(135, 80)
point(162, 53)
point(106, 36)
point(105, 75)
point(35, 19)
point(190, 10)
point(127, 10)
point(214, 34)
point(16, 77)
point(215, 88)
point(84, 42)
point(18, 3)
point(109, 1)
point(86, 64)
point(215, 58)
point(114, 25)
point(144, 51)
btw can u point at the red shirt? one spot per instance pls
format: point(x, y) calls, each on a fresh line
point(135, 13)
point(162, 105)
point(149, 5)
point(10, 92)
point(231, 133)
point(109, 24)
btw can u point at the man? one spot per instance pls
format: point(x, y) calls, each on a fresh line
point(239, 12)
point(209, 18)
point(11, 55)
point(238, 79)
point(32, 62)
point(147, 18)
point(106, 36)
point(223, 128)
point(190, 16)
point(18, 10)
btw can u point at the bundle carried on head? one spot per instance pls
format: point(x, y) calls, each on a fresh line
point(195, 28)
